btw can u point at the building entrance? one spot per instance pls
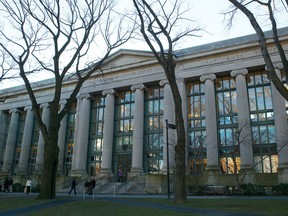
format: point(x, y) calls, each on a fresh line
point(123, 165)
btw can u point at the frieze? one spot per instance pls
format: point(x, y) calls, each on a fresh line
point(123, 76)
point(223, 59)
point(270, 50)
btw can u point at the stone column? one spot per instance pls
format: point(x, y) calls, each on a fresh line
point(138, 130)
point(40, 148)
point(26, 141)
point(76, 133)
point(11, 142)
point(211, 128)
point(2, 131)
point(244, 126)
point(281, 127)
point(61, 142)
point(106, 165)
point(183, 92)
point(169, 113)
point(80, 159)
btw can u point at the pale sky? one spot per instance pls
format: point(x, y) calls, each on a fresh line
point(207, 14)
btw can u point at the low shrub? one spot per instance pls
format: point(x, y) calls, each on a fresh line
point(17, 187)
point(253, 189)
point(281, 189)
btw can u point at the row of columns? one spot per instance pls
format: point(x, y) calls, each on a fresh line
point(82, 129)
point(79, 157)
point(246, 150)
point(80, 153)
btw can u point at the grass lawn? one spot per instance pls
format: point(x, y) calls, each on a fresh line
point(106, 207)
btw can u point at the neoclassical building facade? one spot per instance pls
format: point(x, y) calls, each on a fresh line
point(235, 119)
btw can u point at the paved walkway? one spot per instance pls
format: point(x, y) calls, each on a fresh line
point(123, 199)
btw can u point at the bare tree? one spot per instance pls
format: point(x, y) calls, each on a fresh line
point(239, 138)
point(159, 26)
point(249, 7)
point(55, 38)
point(196, 157)
point(5, 73)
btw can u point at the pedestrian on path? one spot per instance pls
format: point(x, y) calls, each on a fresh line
point(1, 182)
point(73, 186)
point(28, 186)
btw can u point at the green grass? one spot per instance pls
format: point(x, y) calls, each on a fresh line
point(104, 207)
point(7, 203)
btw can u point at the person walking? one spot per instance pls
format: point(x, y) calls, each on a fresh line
point(1, 182)
point(73, 186)
point(28, 186)
point(6, 185)
point(10, 185)
point(93, 183)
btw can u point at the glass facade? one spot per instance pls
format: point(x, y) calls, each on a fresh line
point(95, 143)
point(262, 122)
point(70, 135)
point(21, 124)
point(33, 149)
point(227, 125)
point(153, 134)
point(197, 158)
point(123, 131)
point(7, 118)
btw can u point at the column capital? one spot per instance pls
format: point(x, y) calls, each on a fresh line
point(278, 65)
point(14, 110)
point(164, 82)
point(180, 79)
point(242, 71)
point(138, 86)
point(28, 108)
point(205, 77)
point(108, 91)
point(83, 96)
point(45, 105)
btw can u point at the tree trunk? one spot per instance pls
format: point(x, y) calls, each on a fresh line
point(51, 151)
point(180, 156)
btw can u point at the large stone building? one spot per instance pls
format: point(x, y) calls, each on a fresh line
point(232, 113)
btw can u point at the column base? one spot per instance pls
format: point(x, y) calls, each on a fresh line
point(106, 171)
point(38, 169)
point(164, 170)
point(250, 175)
point(60, 173)
point(211, 175)
point(78, 173)
point(136, 170)
point(22, 173)
point(38, 172)
point(282, 173)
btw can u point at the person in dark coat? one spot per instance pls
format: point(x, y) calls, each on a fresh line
point(73, 186)
point(6, 185)
point(93, 183)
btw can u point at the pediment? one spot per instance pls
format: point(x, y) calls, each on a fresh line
point(128, 57)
